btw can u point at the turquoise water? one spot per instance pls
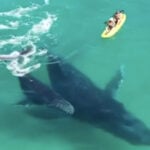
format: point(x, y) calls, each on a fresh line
point(75, 35)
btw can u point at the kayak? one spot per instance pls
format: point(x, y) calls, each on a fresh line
point(109, 33)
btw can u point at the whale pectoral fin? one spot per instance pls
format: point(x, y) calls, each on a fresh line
point(63, 105)
point(115, 82)
point(25, 103)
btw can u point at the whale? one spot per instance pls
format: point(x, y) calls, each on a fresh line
point(94, 105)
point(37, 93)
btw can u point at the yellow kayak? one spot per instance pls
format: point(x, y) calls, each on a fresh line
point(109, 33)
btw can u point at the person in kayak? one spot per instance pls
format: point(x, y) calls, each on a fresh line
point(117, 16)
point(114, 20)
point(111, 24)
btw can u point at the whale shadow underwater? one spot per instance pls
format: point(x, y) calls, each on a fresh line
point(75, 94)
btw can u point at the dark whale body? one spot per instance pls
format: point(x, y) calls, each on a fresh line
point(94, 105)
point(38, 93)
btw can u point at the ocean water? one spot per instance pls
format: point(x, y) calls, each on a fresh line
point(72, 30)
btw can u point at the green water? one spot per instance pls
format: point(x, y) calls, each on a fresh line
point(76, 36)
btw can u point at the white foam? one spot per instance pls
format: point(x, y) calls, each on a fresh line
point(14, 24)
point(17, 71)
point(11, 25)
point(10, 56)
point(2, 27)
point(46, 2)
point(23, 67)
point(44, 25)
point(15, 40)
point(20, 65)
point(19, 12)
point(26, 63)
point(33, 34)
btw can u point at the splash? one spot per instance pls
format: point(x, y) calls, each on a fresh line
point(19, 12)
point(33, 34)
point(33, 30)
point(44, 25)
point(17, 70)
point(22, 64)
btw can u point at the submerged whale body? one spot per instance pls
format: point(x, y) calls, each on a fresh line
point(38, 93)
point(97, 106)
